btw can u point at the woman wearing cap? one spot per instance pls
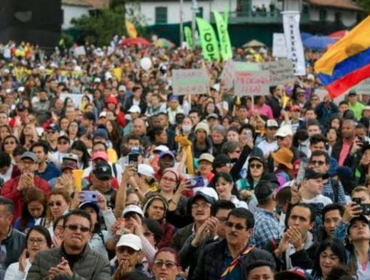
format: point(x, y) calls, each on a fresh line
point(224, 186)
point(99, 237)
point(156, 208)
point(358, 247)
point(282, 162)
point(331, 253)
point(256, 170)
point(37, 239)
point(33, 210)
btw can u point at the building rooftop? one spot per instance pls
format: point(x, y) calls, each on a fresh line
point(95, 4)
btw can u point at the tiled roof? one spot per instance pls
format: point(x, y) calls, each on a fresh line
point(343, 4)
point(98, 4)
point(76, 3)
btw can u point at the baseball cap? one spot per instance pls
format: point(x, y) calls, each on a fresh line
point(221, 160)
point(134, 109)
point(146, 170)
point(103, 114)
point(133, 209)
point(213, 115)
point(100, 155)
point(168, 153)
point(29, 155)
point(295, 108)
point(53, 126)
point(293, 274)
point(97, 80)
point(111, 99)
point(121, 88)
point(20, 107)
point(263, 190)
point(352, 92)
point(68, 164)
point(100, 132)
point(312, 174)
point(161, 148)
point(90, 204)
point(173, 98)
point(206, 157)
point(65, 137)
point(130, 240)
point(207, 194)
point(284, 131)
point(71, 157)
point(102, 171)
point(353, 220)
point(272, 123)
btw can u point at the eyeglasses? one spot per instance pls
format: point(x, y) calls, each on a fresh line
point(167, 264)
point(62, 143)
point(9, 143)
point(38, 241)
point(318, 162)
point(129, 250)
point(257, 166)
point(237, 226)
point(200, 206)
point(58, 203)
point(78, 227)
point(169, 179)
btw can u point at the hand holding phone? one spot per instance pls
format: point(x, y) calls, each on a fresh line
point(89, 196)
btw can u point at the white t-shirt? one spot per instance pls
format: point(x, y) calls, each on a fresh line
point(267, 147)
point(318, 199)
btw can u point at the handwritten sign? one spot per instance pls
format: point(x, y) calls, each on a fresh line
point(191, 81)
point(246, 66)
point(252, 83)
point(76, 98)
point(281, 72)
point(279, 45)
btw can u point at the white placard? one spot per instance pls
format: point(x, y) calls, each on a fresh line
point(279, 45)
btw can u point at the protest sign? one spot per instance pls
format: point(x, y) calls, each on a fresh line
point(252, 83)
point(76, 98)
point(279, 45)
point(321, 93)
point(209, 40)
point(281, 72)
point(227, 75)
point(79, 51)
point(246, 66)
point(191, 81)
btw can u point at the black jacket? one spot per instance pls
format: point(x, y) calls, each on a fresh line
point(212, 257)
point(14, 244)
point(351, 161)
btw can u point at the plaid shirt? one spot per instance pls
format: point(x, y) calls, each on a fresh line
point(266, 228)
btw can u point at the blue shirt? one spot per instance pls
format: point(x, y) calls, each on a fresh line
point(50, 172)
point(236, 273)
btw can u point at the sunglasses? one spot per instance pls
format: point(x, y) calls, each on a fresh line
point(129, 250)
point(167, 264)
point(318, 162)
point(257, 166)
point(77, 227)
point(280, 138)
point(51, 204)
point(237, 226)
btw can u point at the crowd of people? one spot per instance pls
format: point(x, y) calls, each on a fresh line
point(198, 187)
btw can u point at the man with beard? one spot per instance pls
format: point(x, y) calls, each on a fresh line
point(75, 257)
point(166, 160)
point(216, 261)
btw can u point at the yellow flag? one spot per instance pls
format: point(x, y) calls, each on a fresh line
point(131, 30)
point(117, 72)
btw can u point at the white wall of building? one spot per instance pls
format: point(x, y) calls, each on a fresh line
point(348, 18)
point(173, 10)
point(71, 12)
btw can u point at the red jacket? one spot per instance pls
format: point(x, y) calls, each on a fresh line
point(9, 190)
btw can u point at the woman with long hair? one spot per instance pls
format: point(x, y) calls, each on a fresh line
point(224, 186)
point(155, 208)
point(33, 210)
point(79, 149)
point(330, 254)
point(5, 130)
point(59, 203)
point(114, 132)
point(28, 136)
point(333, 135)
point(63, 124)
point(37, 240)
point(9, 144)
point(73, 131)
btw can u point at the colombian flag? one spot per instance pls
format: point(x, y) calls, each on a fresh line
point(347, 62)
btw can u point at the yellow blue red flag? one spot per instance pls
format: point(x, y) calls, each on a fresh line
point(347, 62)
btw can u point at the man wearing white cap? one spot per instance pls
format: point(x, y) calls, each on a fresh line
point(269, 144)
point(128, 251)
point(135, 112)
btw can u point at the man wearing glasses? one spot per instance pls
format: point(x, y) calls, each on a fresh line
point(74, 258)
point(229, 257)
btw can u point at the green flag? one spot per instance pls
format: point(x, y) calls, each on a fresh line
point(226, 16)
point(209, 40)
point(188, 37)
point(223, 35)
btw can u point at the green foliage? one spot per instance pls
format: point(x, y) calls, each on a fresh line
point(365, 4)
point(101, 27)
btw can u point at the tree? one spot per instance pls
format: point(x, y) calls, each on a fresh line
point(365, 4)
point(100, 27)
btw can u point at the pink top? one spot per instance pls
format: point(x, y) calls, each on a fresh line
point(346, 146)
point(264, 110)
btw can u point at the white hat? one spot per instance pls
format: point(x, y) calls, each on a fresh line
point(8, 90)
point(21, 89)
point(272, 123)
point(284, 131)
point(103, 114)
point(216, 87)
point(108, 75)
point(97, 80)
point(206, 157)
point(146, 170)
point(130, 240)
point(161, 148)
point(207, 191)
point(121, 88)
point(53, 65)
point(77, 68)
point(134, 109)
point(133, 209)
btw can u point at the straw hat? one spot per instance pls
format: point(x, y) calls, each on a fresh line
point(284, 156)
